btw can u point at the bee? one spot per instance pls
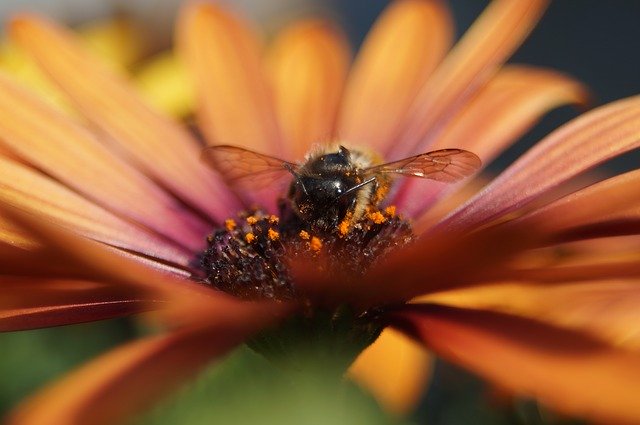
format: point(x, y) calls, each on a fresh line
point(334, 184)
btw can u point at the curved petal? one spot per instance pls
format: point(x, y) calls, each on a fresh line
point(608, 309)
point(502, 111)
point(308, 65)
point(26, 189)
point(156, 144)
point(399, 54)
point(132, 377)
point(395, 369)
point(31, 303)
point(580, 145)
point(66, 151)
point(609, 199)
point(567, 371)
point(223, 55)
point(487, 44)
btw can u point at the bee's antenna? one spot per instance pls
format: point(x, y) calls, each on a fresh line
point(356, 187)
point(296, 176)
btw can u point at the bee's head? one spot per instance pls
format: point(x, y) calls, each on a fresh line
point(322, 201)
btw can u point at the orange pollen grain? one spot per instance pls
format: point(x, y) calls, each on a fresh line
point(252, 220)
point(304, 235)
point(273, 235)
point(249, 237)
point(230, 224)
point(377, 217)
point(343, 228)
point(315, 244)
point(273, 219)
point(390, 210)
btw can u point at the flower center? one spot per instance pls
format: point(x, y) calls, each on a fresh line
point(250, 256)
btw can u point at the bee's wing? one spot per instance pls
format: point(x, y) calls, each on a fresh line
point(239, 166)
point(445, 165)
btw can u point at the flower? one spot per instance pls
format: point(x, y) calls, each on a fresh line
point(104, 213)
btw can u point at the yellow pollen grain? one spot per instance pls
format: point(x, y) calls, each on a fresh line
point(273, 235)
point(315, 244)
point(230, 224)
point(252, 220)
point(304, 235)
point(273, 219)
point(390, 210)
point(343, 227)
point(249, 237)
point(377, 217)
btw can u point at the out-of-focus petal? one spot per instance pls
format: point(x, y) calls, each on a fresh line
point(506, 108)
point(158, 145)
point(473, 61)
point(30, 303)
point(580, 145)
point(401, 51)
point(395, 370)
point(224, 56)
point(607, 309)
point(565, 370)
point(51, 142)
point(26, 189)
point(132, 377)
point(308, 65)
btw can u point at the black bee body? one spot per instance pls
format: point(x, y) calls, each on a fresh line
point(327, 188)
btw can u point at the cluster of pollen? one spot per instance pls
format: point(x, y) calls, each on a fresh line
point(250, 256)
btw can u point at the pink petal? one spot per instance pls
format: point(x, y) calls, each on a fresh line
point(26, 189)
point(578, 146)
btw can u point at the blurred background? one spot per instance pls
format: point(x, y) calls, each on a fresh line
point(594, 40)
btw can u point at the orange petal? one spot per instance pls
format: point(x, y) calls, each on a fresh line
point(224, 56)
point(26, 189)
point(515, 99)
point(611, 198)
point(488, 43)
point(48, 140)
point(30, 303)
point(132, 377)
point(567, 371)
point(158, 145)
point(395, 369)
point(608, 309)
point(308, 64)
point(578, 146)
point(401, 51)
